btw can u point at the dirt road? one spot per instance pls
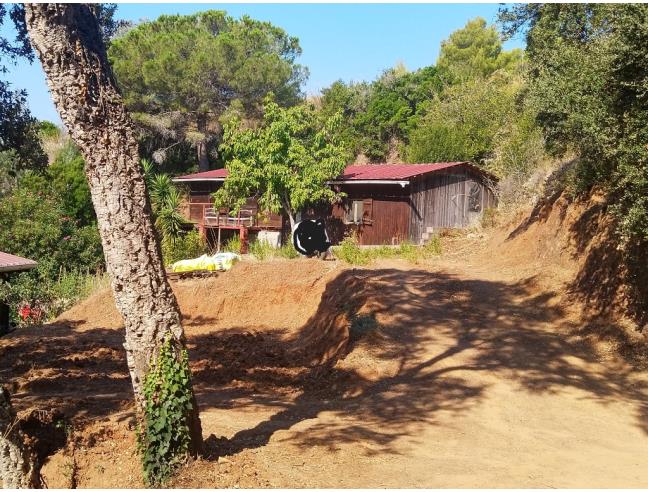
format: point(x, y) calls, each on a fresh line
point(467, 380)
point(459, 372)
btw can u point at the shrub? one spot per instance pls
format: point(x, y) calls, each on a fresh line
point(489, 218)
point(262, 250)
point(287, 250)
point(350, 252)
point(185, 246)
point(233, 245)
point(408, 251)
point(433, 246)
point(50, 295)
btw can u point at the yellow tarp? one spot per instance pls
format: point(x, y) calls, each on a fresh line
point(218, 262)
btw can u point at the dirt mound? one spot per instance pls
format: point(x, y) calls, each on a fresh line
point(270, 295)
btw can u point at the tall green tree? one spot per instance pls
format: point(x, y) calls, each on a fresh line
point(475, 51)
point(285, 164)
point(181, 74)
point(18, 128)
point(588, 66)
point(377, 116)
point(479, 120)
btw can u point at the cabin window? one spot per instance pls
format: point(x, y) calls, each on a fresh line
point(355, 212)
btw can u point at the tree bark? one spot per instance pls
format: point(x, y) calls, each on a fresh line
point(285, 203)
point(203, 159)
point(67, 39)
point(18, 469)
point(201, 147)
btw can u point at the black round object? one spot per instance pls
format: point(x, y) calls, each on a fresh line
point(310, 238)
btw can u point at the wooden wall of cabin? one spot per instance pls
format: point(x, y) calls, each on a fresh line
point(453, 199)
point(385, 220)
point(199, 198)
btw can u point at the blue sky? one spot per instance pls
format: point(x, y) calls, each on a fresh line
point(352, 42)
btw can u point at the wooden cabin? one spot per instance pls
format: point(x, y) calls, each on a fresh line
point(384, 203)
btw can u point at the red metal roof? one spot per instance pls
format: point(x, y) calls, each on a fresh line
point(206, 175)
point(12, 263)
point(392, 171)
point(352, 173)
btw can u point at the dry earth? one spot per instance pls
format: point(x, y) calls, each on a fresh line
point(481, 368)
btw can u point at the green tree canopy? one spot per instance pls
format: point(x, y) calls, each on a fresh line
point(285, 163)
point(181, 74)
point(462, 123)
point(475, 51)
point(587, 82)
point(377, 116)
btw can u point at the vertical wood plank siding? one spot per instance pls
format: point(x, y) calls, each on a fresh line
point(442, 200)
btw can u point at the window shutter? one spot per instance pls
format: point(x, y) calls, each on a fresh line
point(367, 211)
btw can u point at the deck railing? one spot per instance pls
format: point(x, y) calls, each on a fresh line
point(202, 213)
point(215, 217)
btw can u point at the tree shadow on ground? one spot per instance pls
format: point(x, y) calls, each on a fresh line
point(613, 277)
point(441, 330)
point(380, 382)
point(82, 374)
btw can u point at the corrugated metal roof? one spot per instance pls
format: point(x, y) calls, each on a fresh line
point(13, 263)
point(352, 173)
point(393, 171)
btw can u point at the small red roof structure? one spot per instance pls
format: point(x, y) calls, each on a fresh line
point(213, 175)
point(363, 172)
point(13, 263)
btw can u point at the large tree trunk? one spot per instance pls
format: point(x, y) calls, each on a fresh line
point(201, 147)
point(203, 158)
point(18, 469)
point(67, 40)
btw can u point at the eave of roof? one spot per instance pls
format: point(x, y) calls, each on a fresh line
point(13, 263)
point(365, 173)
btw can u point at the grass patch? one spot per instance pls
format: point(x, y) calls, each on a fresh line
point(233, 245)
point(350, 251)
point(262, 250)
point(184, 247)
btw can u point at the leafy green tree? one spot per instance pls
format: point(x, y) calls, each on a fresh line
point(464, 123)
point(47, 129)
point(9, 171)
point(377, 116)
point(67, 180)
point(109, 26)
point(285, 163)
point(475, 51)
point(181, 74)
point(587, 82)
point(19, 129)
point(36, 226)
